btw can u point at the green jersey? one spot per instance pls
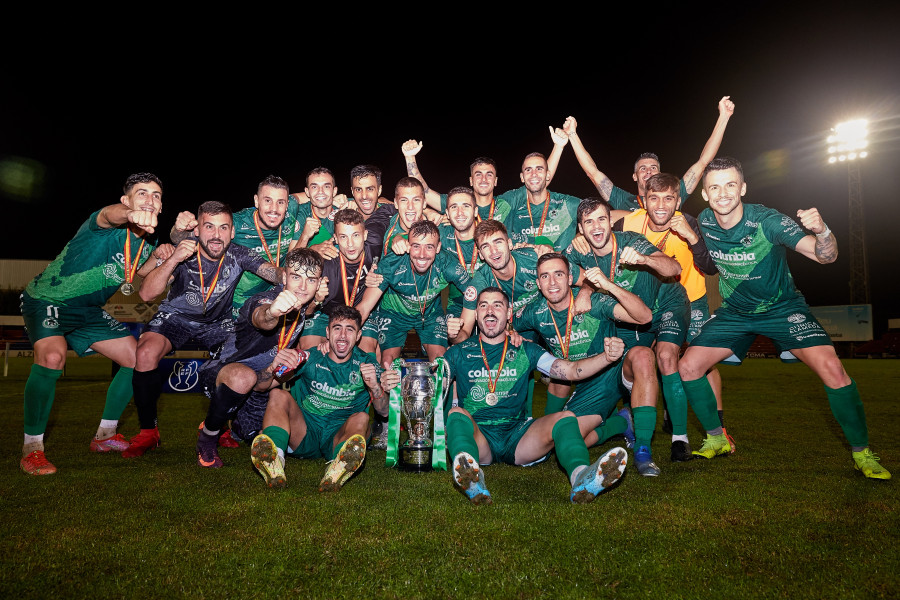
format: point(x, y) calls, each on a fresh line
point(270, 244)
point(552, 222)
point(579, 339)
point(640, 282)
point(407, 292)
point(330, 391)
point(466, 254)
point(752, 258)
point(326, 225)
point(498, 210)
point(91, 267)
point(476, 374)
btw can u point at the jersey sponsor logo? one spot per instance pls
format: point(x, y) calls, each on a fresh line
point(323, 367)
point(667, 316)
point(733, 256)
point(471, 293)
point(331, 391)
point(548, 228)
point(507, 372)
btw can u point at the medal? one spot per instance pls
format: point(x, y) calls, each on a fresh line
point(491, 399)
point(130, 265)
point(127, 289)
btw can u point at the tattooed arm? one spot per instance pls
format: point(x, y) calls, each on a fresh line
point(821, 247)
point(270, 273)
point(577, 370)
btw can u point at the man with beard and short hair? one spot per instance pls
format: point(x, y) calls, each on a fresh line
point(202, 275)
point(62, 307)
point(325, 415)
point(749, 244)
point(493, 424)
point(239, 379)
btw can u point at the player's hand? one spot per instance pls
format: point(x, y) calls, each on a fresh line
point(614, 348)
point(582, 303)
point(410, 148)
point(369, 372)
point(325, 249)
point(811, 220)
point(726, 106)
point(596, 276)
point(559, 136)
point(570, 125)
point(543, 249)
point(185, 221)
point(339, 201)
point(390, 378)
point(679, 225)
point(454, 326)
point(184, 249)
point(374, 279)
point(322, 290)
point(163, 252)
point(288, 357)
point(399, 245)
point(581, 244)
point(311, 227)
point(630, 256)
point(324, 347)
point(285, 302)
point(515, 338)
point(438, 218)
point(143, 219)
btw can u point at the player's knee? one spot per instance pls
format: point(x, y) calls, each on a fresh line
point(52, 360)
point(642, 360)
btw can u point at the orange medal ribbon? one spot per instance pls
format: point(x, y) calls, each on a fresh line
point(265, 244)
point(540, 230)
point(492, 383)
point(131, 265)
point(212, 285)
point(569, 317)
point(349, 299)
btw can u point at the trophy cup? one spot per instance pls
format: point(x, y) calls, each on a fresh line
point(422, 390)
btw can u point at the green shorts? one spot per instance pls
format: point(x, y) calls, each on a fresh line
point(599, 395)
point(699, 316)
point(391, 329)
point(319, 439)
point(504, 438)
point(315, 325)
point(789, 327)
point(82, 326)
point(672, 317)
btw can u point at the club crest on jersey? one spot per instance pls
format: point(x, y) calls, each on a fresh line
point(471, 293)
point(796, 318)
point(746, 241)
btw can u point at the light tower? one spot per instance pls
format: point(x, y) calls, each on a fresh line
point(848, 144)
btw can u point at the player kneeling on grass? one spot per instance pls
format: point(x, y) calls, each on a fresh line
point(326, 412)
point(492, 422)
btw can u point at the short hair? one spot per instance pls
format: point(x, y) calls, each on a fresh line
point(492, 288)
point(348, 216)
point(300, 259)
point(482, 160)
point(137, 178)
point(548, 256)
point(214, 207)
point(342, 311)
point(723, 163)
point(319, 171)
point(275, 182)
point(532, 155)
point(590, 204)
point(660, 182)
point(360, 171)
point(489, 227)
point(423, 228)
point(643, 156)
point(462, 189)
point(408, 182)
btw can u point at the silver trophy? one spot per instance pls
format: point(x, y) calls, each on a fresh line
point(418, 386)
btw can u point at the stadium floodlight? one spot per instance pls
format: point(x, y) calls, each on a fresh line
point(848, 141)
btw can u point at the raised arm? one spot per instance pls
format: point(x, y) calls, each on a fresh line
point(156, 280)
point(662, 264)
point(185, 223)
point(695, 172)
point(630, 308)
point(116, 215)
point(820, 247)
point(603, 184)
point(560, 139)
point(410, 148)
point(577, 370)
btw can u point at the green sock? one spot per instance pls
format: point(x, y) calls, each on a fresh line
point(39, 392)
point(279, 436)
point(847, 408)
point(613, 426)
point(570, 449)
point(554, 403)
point(702, 399)
point(676, 403)
point(461, 435)
point(118, 395)
point(644, 424)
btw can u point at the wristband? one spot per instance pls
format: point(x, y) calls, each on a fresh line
point(824, 234)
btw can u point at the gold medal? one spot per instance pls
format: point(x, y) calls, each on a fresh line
point(127, 289)
point(491, 399)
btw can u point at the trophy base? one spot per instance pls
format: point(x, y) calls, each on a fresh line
point(415, 459)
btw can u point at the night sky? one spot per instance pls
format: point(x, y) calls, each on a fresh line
point(212, 117)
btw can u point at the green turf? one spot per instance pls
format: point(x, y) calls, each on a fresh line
point(787, 516)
